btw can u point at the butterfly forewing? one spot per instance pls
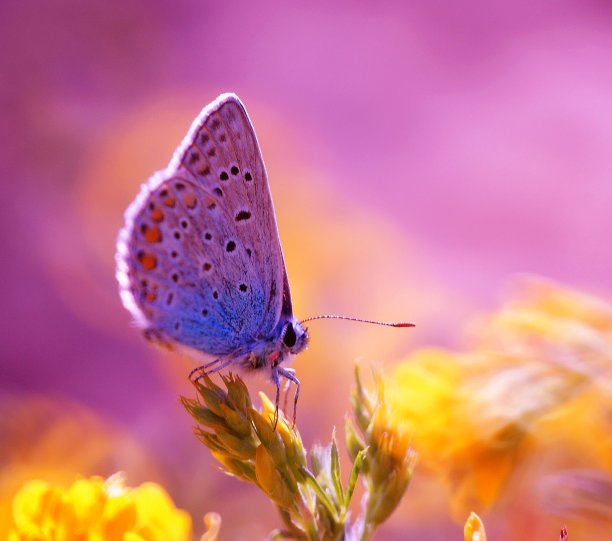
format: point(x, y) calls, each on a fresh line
point(199, 261)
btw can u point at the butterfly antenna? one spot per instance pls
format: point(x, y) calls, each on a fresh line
point(385, 323)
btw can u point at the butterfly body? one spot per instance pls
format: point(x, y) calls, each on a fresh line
point(254, 355)
point(274, 351)
point(199, 261)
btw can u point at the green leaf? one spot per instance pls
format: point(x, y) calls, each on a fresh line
point(335, 469)
point(213, 400)
point(363, 406)
point(320, 493)
point(354, 442)
point(357, 465)
point(317, 460)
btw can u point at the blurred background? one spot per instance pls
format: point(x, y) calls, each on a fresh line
point(421, 155)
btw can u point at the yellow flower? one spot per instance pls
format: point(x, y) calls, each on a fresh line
point(94, 510)
point(474, 529)
point(389, 460)
point(52, 438)
point(535, 371)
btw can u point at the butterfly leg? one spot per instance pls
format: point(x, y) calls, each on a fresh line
point(209, 368)
point(286, 389)
point(276, 380)
point(288, 374)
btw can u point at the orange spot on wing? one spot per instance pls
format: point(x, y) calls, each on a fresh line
point(153, 234)
point(148, 261)
point(210, 202)
point(190, 200)
point(150, 296)
point(157, 215)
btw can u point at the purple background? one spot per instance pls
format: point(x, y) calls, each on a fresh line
point(420, 154)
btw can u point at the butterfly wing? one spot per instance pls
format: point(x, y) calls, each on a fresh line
point(199, 261)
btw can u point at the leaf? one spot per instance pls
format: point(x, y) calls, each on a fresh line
point(335, 469)
point(357, 465)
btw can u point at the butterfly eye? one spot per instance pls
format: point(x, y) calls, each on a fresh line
point(290, 338)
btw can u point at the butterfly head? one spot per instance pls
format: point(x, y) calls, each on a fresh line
point(294, 337)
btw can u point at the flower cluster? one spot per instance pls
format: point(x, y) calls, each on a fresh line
point(93, 509)
point(389, 461)
point(539, 366)
point(307, 487)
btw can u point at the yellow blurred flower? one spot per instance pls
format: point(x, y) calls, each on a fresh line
point(94, 509)
point(474, 529)
point(537, 376)
point(389, 461)
point(51, 438)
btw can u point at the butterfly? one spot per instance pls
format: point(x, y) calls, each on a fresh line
point(199, 261)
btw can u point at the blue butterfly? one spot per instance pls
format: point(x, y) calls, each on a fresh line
point(199, 261)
